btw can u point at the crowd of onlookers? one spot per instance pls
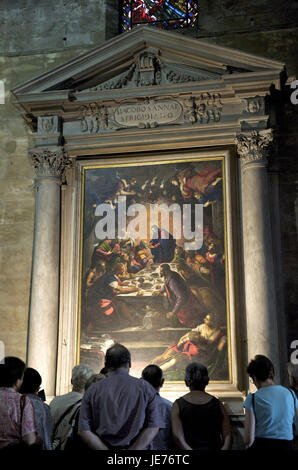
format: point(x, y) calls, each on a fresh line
point(113, 410)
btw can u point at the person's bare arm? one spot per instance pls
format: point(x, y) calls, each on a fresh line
point(183, 339)
point(177, 429)
point(90, 279)
point(249, 428)
point(30, 438)
point(92, 440)
point(226, 430)
point(145, 437)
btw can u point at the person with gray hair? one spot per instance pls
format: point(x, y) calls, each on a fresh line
point(63, 406)
point(199, 420)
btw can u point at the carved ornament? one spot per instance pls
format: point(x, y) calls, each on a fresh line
point(49, 163)
point(48, 124)
point(93, 118)
point(255, 146)
point(203, 109)
point(254, 105)
point(148, 70)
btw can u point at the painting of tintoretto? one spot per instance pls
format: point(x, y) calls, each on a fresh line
point(153, 265)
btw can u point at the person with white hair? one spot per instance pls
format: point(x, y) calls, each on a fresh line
point(63, 406)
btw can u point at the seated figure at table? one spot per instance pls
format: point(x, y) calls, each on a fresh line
point(107, 250)
point(185, 310)
point(107, 310)
point(141, 258)
point(126, 258)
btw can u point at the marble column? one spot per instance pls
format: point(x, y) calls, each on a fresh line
point(44, 296)
point(260, 295)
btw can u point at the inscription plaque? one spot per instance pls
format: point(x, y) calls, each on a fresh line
point(132, 115)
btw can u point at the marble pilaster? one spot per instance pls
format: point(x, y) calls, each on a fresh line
point(261, 313)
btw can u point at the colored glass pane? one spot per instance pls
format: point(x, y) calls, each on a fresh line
point(167, 14)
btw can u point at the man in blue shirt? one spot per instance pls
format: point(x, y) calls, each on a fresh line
point(119, 412)
point(163, 440)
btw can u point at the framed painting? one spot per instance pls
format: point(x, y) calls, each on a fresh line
point(153, 264)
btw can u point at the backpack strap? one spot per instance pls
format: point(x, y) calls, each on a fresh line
point(74, 415)
point(253, 406)
point(22, 406)
point(294, 398)
point(68, 410)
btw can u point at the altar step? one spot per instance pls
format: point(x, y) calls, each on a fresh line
point(137, 334)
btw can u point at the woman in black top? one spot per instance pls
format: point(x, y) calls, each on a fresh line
point(199, 420)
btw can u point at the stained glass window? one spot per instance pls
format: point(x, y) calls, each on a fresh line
point(166, 14)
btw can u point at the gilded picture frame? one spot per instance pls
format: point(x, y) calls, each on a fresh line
point(141, 319)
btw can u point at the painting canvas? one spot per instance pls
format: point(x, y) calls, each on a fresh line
point(153, 265)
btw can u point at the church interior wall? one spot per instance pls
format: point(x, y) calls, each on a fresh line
point(40, 35)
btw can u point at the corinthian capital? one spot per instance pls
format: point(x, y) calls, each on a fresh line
point(254, 146)
point(49, 163)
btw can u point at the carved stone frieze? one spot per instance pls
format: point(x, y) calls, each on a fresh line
point(49, 163)
point(48, 124)
point(203, 109)
point(255, 146)
point(120, 81)
point(93, 118)
point(254, 105)
point(148, 69)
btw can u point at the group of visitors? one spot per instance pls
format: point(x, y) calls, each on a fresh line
point(114, 410)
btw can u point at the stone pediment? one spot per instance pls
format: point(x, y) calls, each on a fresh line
point(145, 79)
point(145, 56)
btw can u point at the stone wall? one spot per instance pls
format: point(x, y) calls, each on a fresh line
point(288, 165)
point(42, 26)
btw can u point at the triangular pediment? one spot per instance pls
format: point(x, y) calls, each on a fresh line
point(143, 57)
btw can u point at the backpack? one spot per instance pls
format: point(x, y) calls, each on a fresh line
point(70, 439)
point(59, 443)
